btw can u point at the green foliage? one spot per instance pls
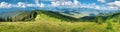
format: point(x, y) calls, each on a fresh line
point(48, 21)
point(57, 16)
point(110, 27)
point(28, 16)
point(99, 19)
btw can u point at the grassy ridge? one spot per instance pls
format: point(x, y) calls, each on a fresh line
point(108, 19)
point(47, 21)
point(27, 16)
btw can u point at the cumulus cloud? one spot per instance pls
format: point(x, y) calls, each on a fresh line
point(57, 3)
point(116, 3)
point(20, 4)
point(5, 5)
point(23, 5)
point(76, 2)
point(37, 3)
point(65, 3)
point(41, 5)
point(31, 5)
point(102, 1)
point(55, 0)
point(93, 6)
point(8, 5)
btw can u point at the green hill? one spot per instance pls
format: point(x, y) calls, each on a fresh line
point(48, 21)
point(50, 15)
point(28, 16)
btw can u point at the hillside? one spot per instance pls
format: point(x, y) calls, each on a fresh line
point(32, 15)
point(18, 16)
point(25, 16)
point(48, 21)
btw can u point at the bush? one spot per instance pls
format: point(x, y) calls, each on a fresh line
point(110, 26)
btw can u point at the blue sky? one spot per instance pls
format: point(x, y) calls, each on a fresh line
point(52, 4)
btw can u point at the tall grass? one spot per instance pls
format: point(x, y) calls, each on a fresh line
point(47, 21)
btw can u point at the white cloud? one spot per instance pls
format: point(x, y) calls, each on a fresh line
point(41, 5)
point(76, 2)
point(37, 3)
point(113, 7)
point(93, 6)
point(55, 0)
point(31, 5)
point(57, 3)
point(5, 5)
point(102, 1)
point(67, 3)
point(64, 3)
point(116, 3)
point(97, 7)
point(22, 5)
point(19, 5)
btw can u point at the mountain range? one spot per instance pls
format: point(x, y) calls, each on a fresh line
point(69, 15)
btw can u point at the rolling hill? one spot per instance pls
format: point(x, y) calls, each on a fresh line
point(49, 21)
point(32, 15)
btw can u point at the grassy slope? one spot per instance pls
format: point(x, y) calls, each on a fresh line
point(46, 23)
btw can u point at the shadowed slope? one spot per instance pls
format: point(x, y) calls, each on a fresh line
point(21, 16)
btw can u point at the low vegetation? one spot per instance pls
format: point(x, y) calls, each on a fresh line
point(48, 21)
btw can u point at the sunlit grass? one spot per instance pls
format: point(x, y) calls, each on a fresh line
point(45, 23)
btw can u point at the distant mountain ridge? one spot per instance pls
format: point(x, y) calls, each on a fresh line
point(28, 16)
point(17, 16)
point(81, 12)
point(10, 13)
